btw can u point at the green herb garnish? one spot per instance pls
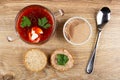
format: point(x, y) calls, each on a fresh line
point(25, 22)
point(43, 22)
point(62, 59)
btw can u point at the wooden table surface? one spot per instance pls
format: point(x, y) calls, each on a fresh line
point(107, 64)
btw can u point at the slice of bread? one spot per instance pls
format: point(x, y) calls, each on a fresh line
point(35, 60)
point(67, 66)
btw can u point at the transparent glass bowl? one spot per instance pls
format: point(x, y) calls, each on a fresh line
point(17, 34)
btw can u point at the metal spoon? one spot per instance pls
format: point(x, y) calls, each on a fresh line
point(102, 18)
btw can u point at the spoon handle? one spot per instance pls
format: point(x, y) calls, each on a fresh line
point(91, 60)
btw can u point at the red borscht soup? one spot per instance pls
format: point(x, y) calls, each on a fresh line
point(35, 24)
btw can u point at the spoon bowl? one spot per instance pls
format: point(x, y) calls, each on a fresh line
point(103, 17)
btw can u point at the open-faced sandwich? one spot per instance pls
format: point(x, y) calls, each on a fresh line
point(62, 60)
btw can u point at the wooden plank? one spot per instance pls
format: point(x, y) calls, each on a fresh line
point(107, 64)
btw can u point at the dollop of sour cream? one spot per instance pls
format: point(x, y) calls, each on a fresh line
point(35, 35)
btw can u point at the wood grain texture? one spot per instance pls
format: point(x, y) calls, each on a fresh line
point(107, 64)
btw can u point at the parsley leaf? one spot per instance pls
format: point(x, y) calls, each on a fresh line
point(62, 59)
point(43, 22)
point(47, 26)
point(25, 22)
